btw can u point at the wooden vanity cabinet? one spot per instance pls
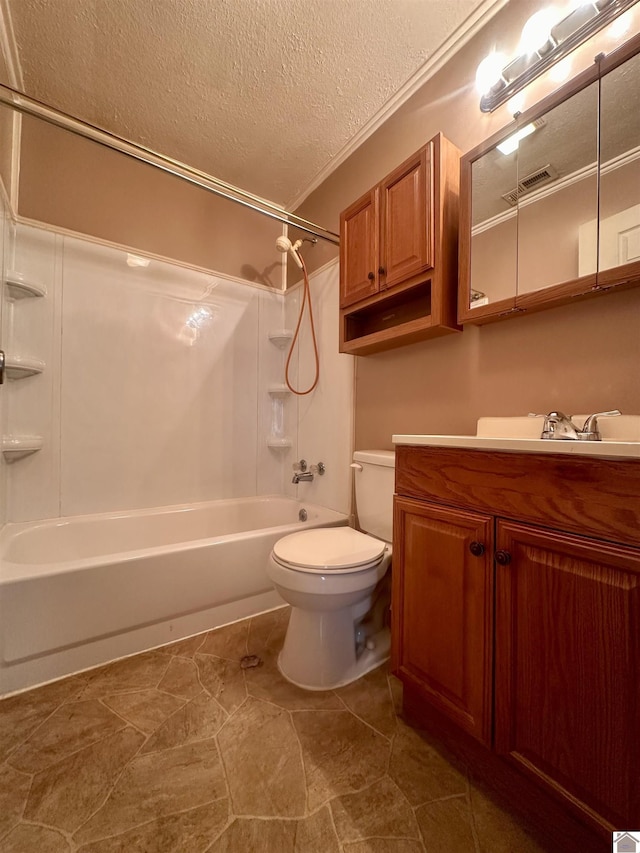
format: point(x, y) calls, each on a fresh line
point(548, 678)
point(398, 254)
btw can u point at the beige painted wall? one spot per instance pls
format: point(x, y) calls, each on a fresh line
point(582, 357)
point(73, 183)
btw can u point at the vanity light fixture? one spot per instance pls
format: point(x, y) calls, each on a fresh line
point(546, 39)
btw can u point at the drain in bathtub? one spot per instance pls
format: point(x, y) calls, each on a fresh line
point(302, 515)
point(249, 661)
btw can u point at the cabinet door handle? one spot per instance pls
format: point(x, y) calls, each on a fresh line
point(371, 276)
point(381, 271)
point(503, 558)
point(477, 549)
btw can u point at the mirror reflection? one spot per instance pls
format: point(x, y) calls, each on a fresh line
point(493, 229)
point(619, 235)
point(558, 194)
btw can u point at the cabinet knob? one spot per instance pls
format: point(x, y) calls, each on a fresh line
point(381, 271)
point(503, 558)
point(371, 276)
point(477, 549)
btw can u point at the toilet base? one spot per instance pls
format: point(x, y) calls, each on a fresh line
point(335, 672)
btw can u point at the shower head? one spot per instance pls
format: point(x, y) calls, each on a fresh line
point(283, 244)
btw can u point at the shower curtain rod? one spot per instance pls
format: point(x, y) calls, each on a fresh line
point(17, 100)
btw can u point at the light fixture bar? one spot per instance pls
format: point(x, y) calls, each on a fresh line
point(528, 67)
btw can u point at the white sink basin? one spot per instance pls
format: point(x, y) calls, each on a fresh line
point(620, 437)
point(618, 428)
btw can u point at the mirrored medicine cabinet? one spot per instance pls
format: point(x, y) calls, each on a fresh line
point(555, 215)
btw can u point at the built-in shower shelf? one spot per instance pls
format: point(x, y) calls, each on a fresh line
point(279, 392)
point(277, 442)
point(16, 447)
point(17, 367)
point(281, 337)
point(19, 286)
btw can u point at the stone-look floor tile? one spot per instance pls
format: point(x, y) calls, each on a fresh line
point(262, 760)
point(145, 709)
point(256, 836)
point(223, 680)
point(228, 642)
point(384, 845)
point(267, 631)
point(380, 811)
point(341, 754)
point(316, 834)
point(14, 790)
point(20, 715)
point(420, 771)
point(395, 685)
point(497, 830)
point(71, 727)
point(26, 838)
point(187, 832)
point(158, 785)
point(134, 673)
point(66, 794)
point(446, 825)
point(184, 648)
point(181, 679)
point(199, 719)
point(370, 699)
point(266, 682)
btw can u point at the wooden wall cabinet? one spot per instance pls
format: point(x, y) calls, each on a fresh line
point(548, 679)
point(398, 255)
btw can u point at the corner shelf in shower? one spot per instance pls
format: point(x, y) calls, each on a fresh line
point(18, 367)
point(281, 337)
point(278, 443)
point(16, 447)
point(279, 392)
point(20, 287)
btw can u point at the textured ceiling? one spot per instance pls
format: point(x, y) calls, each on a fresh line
point(260, 93)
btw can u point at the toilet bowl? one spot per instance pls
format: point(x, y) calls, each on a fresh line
point(337, 583)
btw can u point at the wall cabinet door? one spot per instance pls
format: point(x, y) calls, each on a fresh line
point(567, 690)
point(406, 220)
point(359, 249)
point(442, 609)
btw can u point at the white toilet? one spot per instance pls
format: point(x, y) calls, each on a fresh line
point(334, 579)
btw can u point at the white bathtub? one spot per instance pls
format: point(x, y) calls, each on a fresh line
point(76, 592)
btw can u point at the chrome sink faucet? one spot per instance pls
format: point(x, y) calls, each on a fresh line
point(560, 427)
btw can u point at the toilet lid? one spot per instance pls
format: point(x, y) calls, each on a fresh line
point(328, 549)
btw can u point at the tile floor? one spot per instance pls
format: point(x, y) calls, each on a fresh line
point(180, 749)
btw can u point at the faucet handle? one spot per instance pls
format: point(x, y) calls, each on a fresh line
point(300, 467)
point(318, 469)
point(590, 431)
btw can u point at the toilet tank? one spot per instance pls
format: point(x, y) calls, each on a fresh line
point(375, 485)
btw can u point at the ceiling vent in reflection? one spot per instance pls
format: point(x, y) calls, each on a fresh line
point(531, 182)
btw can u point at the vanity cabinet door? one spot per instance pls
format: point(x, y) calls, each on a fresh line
point(359, 249)
point(442, 609)
point(567, 688)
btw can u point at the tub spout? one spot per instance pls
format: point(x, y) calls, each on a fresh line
point(302, 476)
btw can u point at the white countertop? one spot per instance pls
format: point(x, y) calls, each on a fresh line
point(608, 449)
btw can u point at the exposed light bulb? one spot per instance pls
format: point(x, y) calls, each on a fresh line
point(489, 72)
point(512, 142)
point(535, 33)
point(137, 261)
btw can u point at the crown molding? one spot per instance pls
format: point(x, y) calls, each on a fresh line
point(456, 41)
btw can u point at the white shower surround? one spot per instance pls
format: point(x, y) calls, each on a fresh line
point(155, 393)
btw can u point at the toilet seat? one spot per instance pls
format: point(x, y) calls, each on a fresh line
point(329, 550)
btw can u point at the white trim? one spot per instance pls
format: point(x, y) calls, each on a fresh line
point(321, 269)
point(16, 147)
point(9, 47)
point(87, 238)
point(561, 184)
point(455, 42)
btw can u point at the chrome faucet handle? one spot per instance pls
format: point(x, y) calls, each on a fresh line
point(559, 426)
point(590, 431)
point(318, 469)
point(300, 466)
